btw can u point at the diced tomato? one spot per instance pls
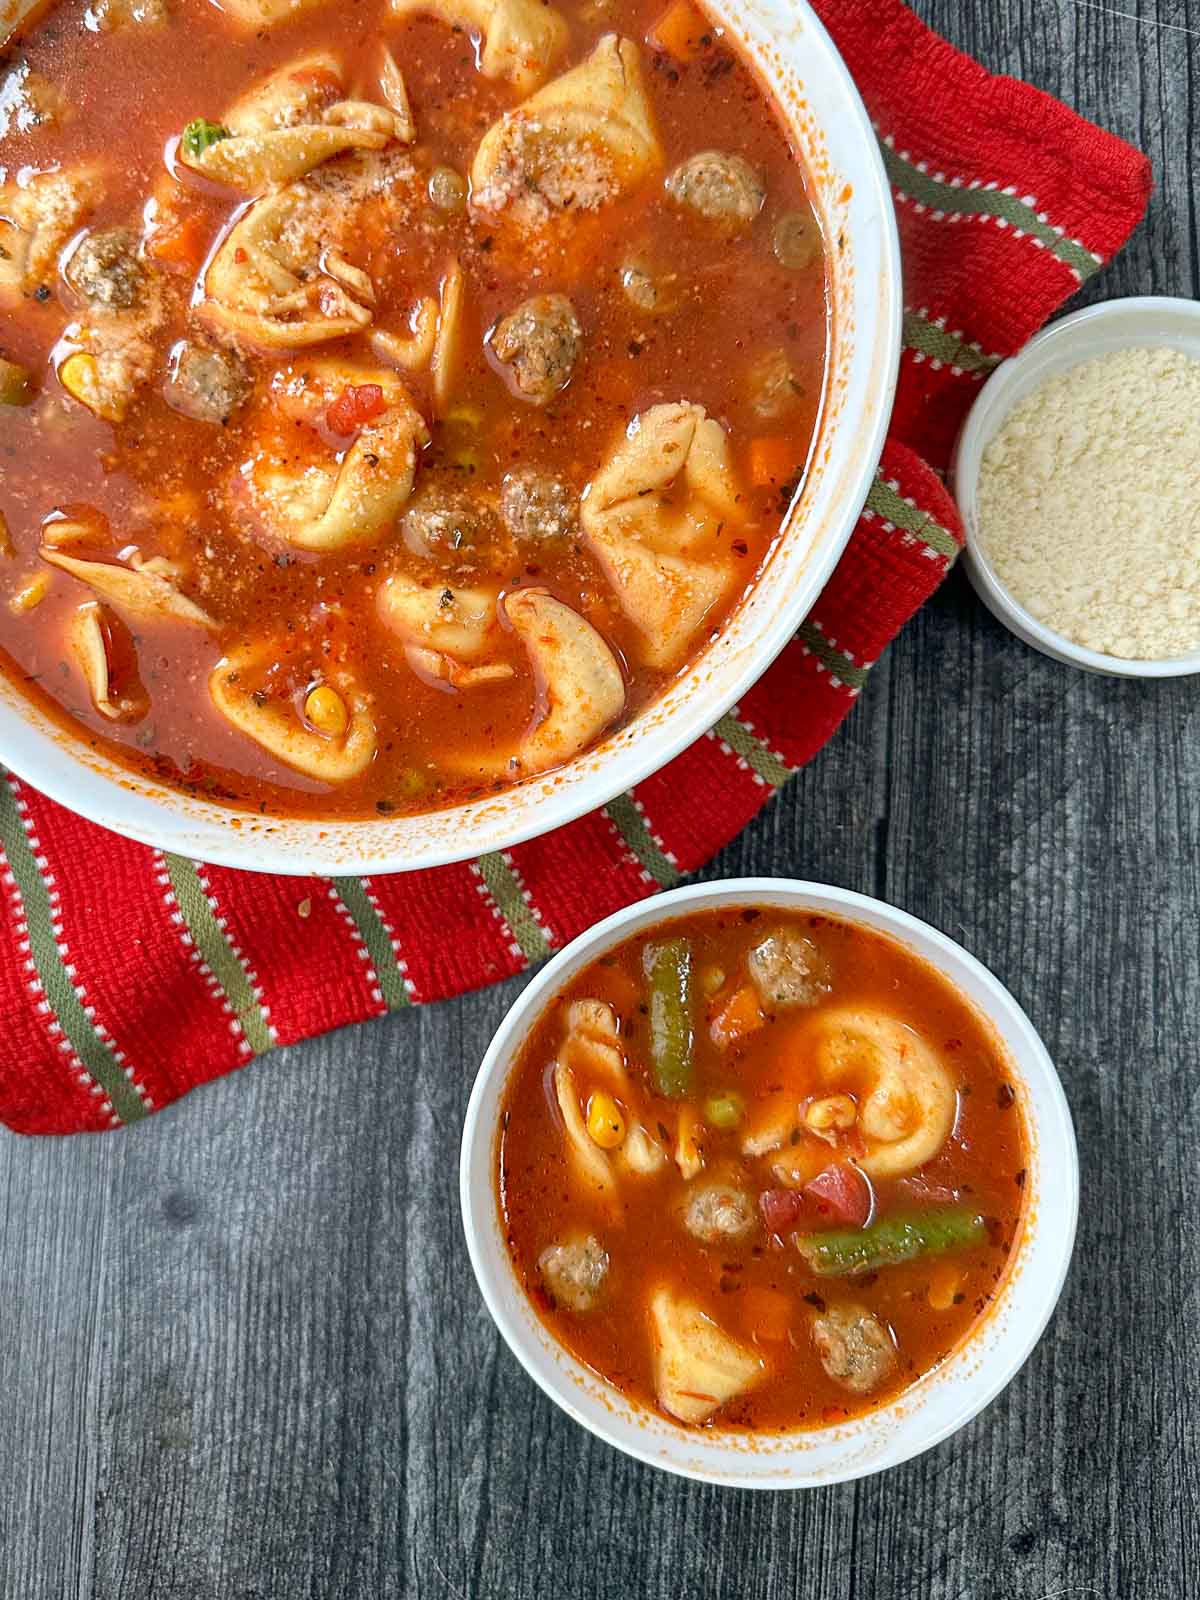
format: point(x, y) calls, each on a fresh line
point(356, 404)
point(781, 1209)
point(842, 1194)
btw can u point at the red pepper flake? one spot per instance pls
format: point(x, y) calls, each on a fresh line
point(240, 256)
point(356, 404)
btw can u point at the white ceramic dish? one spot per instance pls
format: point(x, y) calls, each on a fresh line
point(1153, 321)
point(833, 133)
point(935, 1407)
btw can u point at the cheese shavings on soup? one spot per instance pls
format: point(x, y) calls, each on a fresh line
point(399, 400)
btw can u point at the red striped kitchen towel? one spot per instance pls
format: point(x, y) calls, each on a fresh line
point(127, 977)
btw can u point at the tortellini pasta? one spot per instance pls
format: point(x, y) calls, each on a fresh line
point(279, 723)
point(698, 1367)
point(448, 633)
point(258, 161)
point(448, 339)
point(295, 120)
point(413, 350)
point(453, 634)
point(92, 635)
point(112, 361)
point(522, 39)
point(298, 92)
point(37, 218)
point(272, 282)
point(579, 142)
point(656, 544)
point(145, 589)
point(590, 1057)
point(907, 1101)
point(330, 504)
point(394, 90)
point(578, 678)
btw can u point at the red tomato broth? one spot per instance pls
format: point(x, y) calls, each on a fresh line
point(167, 484)
point(759, 1289)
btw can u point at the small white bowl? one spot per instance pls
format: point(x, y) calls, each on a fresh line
point(934, 1407)
point(1150, 321)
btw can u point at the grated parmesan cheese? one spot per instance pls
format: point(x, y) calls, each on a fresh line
point(1089, 504)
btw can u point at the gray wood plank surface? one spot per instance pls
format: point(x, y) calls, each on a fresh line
point(241, 1353)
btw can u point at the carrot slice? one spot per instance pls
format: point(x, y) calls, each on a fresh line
point(735, 1017)
point(180, 242)
point(681, 31)
point(773, 461)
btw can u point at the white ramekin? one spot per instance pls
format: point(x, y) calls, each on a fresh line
point(936, 1406)
point(832, 131)
point(1149, 321)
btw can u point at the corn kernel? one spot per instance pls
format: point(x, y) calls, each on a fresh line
point(835, 1111)
point(605, 1124)
point(31, 594)
point(711, 978)
point(325, 710)
point(78, 376)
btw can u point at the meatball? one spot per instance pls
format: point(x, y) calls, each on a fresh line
point(207, 385)
point(104, 270)
point(536, 505)
point(722, 188)
point(539, 345)
point(796, 240)
point(718, 1213)
point(774, 387)
point(854, 1347)
point(787, 969)
point(440, 521)
point(574, 1271)
point(650, 292)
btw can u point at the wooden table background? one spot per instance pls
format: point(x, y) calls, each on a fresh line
point(241, 1351)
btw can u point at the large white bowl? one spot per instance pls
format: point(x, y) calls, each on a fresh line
point(936, 1406)
point(833, 134)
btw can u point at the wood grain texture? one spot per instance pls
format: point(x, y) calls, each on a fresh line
point(242, 1356)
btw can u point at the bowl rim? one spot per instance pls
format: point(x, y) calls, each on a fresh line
point(667, 1446)
point(58, 764)
point(992, 405)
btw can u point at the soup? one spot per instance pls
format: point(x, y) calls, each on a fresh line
point(760, 1170)
point(395, 398)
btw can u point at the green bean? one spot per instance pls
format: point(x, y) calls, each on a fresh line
point(669, 969)
point(892, 1240)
